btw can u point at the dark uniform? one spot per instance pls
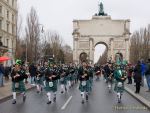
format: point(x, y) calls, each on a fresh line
point(40, 78)
point(51, 78)
point(18, 75)
point(63, 79)
point(84, 85)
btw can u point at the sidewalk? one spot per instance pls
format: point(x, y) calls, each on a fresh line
point(143, 96)
point(5, 92)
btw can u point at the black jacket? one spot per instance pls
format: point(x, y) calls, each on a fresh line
point(137, 73)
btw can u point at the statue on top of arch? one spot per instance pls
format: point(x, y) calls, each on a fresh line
point(101, 10)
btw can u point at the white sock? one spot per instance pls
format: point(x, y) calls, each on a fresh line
point(62, 88)
point(44, 83)
point(38, 87)
point(14, 95)
point(49, 96)
point(69, 83)
point(23, 93)
point(82, 95)
point(118, 94)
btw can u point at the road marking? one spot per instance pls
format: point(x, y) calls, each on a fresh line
point(64, 106)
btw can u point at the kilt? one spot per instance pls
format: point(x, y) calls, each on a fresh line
point(90, 83)
point(85, 88)
point(75, 76)
point(39, 81)
point(118, 89)
point(63, 80)
point(19, 88)
point(72, 77)
point(53, 88)
point(69, 77)
point(91, 80)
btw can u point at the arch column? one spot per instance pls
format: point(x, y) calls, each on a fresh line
point(75, 46)
point(112, 48)
point(127, 49)
point(91, 50)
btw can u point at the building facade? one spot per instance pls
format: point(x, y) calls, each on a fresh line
point(8, 16)
point(101, 29)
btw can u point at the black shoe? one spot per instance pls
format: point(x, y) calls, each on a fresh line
point(65, 89)
point(41, 89)
point(87, 97)
point(49, 102)
point(24, 98)
point(38, 91)
point(62, 92)
point(119, 101)
point(54, 99)
point(14, 102)
point(82, 101)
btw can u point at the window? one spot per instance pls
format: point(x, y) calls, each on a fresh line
point(12, 45)
point(7, 42)
point(7, 27)
point(12, 2)
point(7, 14)
point(12, 18)
point(0, 9)
point(13, 29)
point(0, 24)
point(1, 44)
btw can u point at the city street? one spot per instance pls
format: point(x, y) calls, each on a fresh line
point(100, 101)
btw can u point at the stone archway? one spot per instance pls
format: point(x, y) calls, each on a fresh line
point(114, 33)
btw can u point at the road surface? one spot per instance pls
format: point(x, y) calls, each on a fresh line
point(100, 101)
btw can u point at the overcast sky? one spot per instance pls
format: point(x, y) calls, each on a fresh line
point(58, 14)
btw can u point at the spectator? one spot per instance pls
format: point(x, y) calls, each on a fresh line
point(32, 71)
point(7, 72)
point(143, 68)
point(129, 73)
point(1, 74)
point(137, 76)
point(147, 74)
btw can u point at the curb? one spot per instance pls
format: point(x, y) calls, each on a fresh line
point(10, 96)
point(138, 97)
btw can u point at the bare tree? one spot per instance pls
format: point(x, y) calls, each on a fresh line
point(140, 45)
point(53, 46)
point(32, 35)
point(18, 51)
point(103, 59)
point(68, 54)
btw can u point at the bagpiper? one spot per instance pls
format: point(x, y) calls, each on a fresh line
point(71, 76)
point(84, 85)
point(40, 78)
point(18, 75)
point(63, 79)
point(51, 78)
point(120, 77)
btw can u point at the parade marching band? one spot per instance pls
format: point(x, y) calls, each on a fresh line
point(49, 76)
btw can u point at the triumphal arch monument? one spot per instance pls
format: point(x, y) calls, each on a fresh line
point(101, 29)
